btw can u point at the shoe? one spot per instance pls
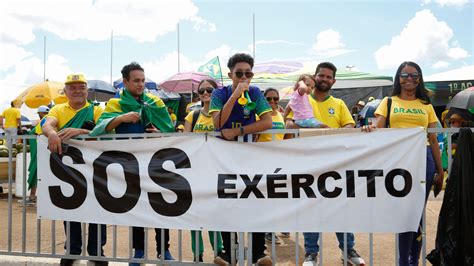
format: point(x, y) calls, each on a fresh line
point(263, 260)
point(222, 259)
point(28, 201)
point(310, 259)
point(268, 238)
point(285, 234)
point(66, 262)
point(353, 258)
point(139, 254)
point(200, 259)
point(167, 255)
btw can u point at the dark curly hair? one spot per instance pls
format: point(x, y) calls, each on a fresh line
point(129, 68)
point(237, 58)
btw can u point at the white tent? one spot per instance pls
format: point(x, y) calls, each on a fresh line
point(463, 73)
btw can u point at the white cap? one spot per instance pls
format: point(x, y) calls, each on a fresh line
point(43, 109)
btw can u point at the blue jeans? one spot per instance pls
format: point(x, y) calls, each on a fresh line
point(75, 238)
point(311, 242)
point(409, 243)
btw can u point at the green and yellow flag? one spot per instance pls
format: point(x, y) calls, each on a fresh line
point(212, 68)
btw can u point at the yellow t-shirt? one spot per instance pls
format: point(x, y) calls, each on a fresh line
point(203, 124)
point(173, 117)
point(332, 112)
point(407, 114)
point(277, 123)
point(11, 116)
point(64, 112)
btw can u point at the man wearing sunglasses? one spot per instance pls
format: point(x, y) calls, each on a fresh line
point(232, 120)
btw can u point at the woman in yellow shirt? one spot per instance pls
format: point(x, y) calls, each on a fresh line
point(411, 108)
point(278, 122)
point(203, 123)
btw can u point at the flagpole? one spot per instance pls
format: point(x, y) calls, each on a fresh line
point(44, 58)
point(253, 36)
point(222, 79)
point(111, 54)
point(178, 50)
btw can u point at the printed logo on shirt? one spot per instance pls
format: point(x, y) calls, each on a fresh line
point(331, 111)
point(408, 110)
point(246, 112)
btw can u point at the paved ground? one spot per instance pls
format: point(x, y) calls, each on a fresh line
point(384, 249)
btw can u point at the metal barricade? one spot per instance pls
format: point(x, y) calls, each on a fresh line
point(23, 235)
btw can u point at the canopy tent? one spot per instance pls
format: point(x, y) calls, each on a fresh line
point(350, 86)
point(446, 84)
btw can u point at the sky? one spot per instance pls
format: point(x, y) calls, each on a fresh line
point(51, 39)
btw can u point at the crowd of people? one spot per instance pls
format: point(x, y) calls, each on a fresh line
point(311, 106)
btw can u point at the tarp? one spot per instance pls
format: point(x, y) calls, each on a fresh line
point(455, 234)
point(350, 86)
point(445, 85)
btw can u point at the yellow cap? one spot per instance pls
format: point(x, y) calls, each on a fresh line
point(75, 78)
point(180, 127)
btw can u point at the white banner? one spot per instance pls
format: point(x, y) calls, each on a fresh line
point(357, 182)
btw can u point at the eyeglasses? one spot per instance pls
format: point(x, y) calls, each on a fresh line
point(208, 90)
point(275, 99)
point(412, 75)
point(240, 74)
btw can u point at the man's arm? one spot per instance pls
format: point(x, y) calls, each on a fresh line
point(264, 123)
point(50, 131)
point(219, 118)
point(130, 117)
point(350, 125)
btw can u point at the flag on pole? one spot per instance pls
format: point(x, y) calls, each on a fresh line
point(212, 68)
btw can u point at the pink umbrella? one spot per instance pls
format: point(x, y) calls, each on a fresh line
point(185, 82)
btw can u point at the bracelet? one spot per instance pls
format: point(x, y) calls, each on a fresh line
point(241, 130)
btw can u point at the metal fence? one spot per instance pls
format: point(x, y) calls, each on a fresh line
point(22, 234)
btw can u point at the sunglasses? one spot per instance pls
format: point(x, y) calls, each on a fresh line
point(275, 99)
point(412, 75)
point(208, 90)
point(240, 74)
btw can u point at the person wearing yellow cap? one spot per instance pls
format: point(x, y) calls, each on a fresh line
point(65, 121)
point(180, 128)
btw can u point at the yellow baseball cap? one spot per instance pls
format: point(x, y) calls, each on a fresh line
point(75, 78)
point(180, 127)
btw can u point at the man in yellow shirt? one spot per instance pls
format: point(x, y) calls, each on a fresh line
point(334, 113)
point(12, 123)
point(66, 121)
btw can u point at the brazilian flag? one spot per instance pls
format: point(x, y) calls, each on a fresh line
point(150, 107)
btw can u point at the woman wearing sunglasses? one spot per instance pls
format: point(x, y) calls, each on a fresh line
point(199, 120)
point(278, 122)
point(411, 108)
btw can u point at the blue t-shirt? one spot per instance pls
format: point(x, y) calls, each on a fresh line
point(240, 115)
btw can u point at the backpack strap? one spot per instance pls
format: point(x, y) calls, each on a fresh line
point(389, 107)
point(196, 114)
